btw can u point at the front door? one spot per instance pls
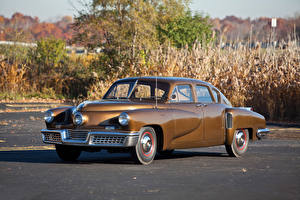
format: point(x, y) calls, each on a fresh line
point(187, 117)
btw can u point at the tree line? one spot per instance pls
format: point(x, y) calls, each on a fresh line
point(25, 28)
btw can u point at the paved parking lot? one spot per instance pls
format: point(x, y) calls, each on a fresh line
point(31, 170)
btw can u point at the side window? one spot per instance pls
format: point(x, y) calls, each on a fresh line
point(203, 94)
point(159, 92)
point(182, 93)
point(142, 91)
point(216, 95)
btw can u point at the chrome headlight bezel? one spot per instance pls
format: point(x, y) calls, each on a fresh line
point(124, 119)
point(49, 116)
point(73, 110)
point(79, 119)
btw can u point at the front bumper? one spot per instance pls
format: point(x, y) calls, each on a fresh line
point(90, 138)
point(262, 133)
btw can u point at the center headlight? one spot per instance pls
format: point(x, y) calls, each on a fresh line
point(79, 119)
point(124, 119)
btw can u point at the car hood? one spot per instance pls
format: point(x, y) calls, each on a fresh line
point(108, 105)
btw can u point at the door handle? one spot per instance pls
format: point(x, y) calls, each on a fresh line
point(201, 105)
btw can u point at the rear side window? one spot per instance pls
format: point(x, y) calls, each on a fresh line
point(203, 94)
point(182, 93)
point(225, 100)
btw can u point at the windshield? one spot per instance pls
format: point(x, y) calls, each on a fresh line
point(138, 91)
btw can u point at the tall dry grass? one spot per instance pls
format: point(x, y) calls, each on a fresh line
point(266, 79)
point(12, 76)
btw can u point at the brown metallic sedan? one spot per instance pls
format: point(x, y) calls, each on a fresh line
point(150, 115)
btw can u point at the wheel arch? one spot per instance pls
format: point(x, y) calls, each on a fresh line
point(159, 134)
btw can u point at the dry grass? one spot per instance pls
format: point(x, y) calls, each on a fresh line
point(266, 79)
point(12, 76)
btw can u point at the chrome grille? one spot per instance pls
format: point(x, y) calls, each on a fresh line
point(52, 137)
point(103, 139)
point(78, 135)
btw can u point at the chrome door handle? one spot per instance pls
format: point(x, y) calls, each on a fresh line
point(201, 105)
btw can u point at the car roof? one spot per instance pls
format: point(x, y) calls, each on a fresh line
point(172, 80)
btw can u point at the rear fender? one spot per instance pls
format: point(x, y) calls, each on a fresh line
point(238, 118)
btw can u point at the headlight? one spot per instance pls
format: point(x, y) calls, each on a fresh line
point(79, 119)
point(123, 119)
point(49, 116)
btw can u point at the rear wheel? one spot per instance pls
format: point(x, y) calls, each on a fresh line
point(145, 150)
point(239, 143)
point(67, 153)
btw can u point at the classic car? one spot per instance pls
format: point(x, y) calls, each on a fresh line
point(150, 115)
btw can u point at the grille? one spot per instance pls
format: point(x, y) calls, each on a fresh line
point(52, 137)
point(102, 139)
point(78, 135)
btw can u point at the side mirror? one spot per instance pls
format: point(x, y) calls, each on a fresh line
point(173, 96)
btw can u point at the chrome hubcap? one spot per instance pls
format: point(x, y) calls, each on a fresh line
point(146, 143)
point(240, 139)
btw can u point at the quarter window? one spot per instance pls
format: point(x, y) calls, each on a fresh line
point(225, 100)
point(216, 95)
point(182, 93)
point(203, 94)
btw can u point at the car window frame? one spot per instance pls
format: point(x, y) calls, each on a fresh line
point(209, 91)
point(182, 102)
point(218, 95)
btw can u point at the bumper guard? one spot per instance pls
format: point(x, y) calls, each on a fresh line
point(262, 133)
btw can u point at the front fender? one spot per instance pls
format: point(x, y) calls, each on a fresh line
point(61, 116)
point(153, 117)
point(237, 118)
point(58, 110)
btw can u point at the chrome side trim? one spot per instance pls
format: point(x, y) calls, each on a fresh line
point(262, 132)
point(246, 108)
point(228, 120)
point(111, 139)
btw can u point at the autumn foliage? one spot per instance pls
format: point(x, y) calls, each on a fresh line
point(29, 29)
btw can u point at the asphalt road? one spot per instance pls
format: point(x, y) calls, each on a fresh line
point(31, 170)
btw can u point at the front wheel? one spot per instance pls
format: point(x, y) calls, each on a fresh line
point(145, 150)
point(67, 153)
point(239, 143)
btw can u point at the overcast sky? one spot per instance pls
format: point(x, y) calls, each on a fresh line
point(51, 10)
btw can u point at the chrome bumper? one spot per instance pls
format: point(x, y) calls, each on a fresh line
point(262, 132)
point(90, 138)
